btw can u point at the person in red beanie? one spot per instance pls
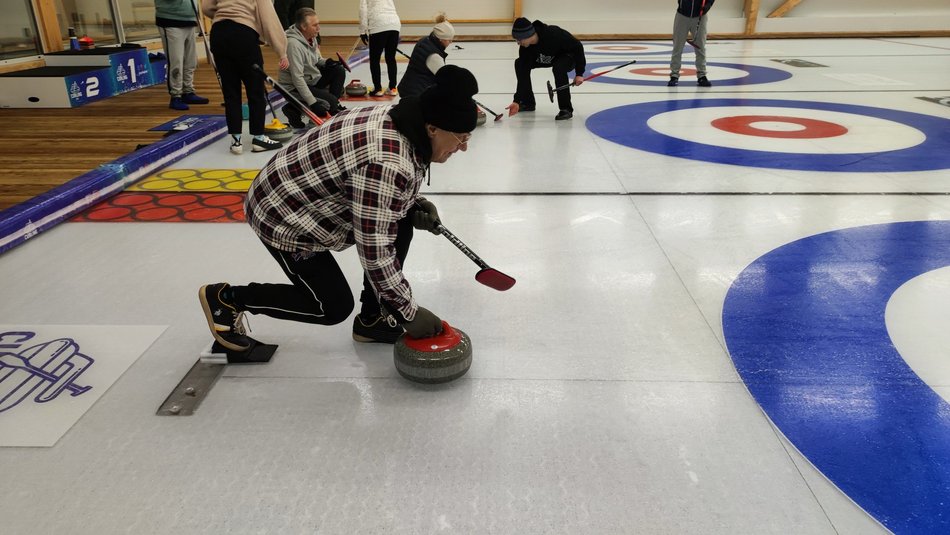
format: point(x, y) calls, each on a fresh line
point(353, 181)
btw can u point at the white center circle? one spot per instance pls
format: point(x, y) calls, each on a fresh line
point(916, 318)
point(776, 126)
point(865, 134)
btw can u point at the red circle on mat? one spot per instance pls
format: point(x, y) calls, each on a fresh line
point(205, 214)
point(812, 128)
point(157, 214)
point(176, 199)
point(224, 200)
point(132, 199)
point(108, 213)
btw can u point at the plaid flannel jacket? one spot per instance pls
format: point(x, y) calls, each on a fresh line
point(345, 183)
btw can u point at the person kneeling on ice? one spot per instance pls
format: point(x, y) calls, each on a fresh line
point(353, 181)
point(315, 80)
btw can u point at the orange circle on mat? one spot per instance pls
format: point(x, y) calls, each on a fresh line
point(813, 128)
point(224, 200)
point(108, 213)
point(176, 200)
point(157, 214)
point(205, 214)
point(132, 199)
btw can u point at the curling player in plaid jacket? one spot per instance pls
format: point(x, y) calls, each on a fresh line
point(353, 181)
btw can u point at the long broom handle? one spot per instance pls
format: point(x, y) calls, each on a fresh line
point(286, 94)
point(462, 247)
point(591, 77)
point(204, 39)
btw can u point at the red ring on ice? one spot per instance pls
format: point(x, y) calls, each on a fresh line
point(812, 128)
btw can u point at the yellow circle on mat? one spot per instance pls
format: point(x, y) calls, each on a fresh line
point(159, 184)
point(202, 185)
point(250, 174)
point(238, 185)
point(218, 173)
point(178, 173)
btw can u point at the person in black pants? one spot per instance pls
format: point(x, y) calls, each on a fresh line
point(544, 46)
point(237, 27)
point(379, 28)
point(353, 182)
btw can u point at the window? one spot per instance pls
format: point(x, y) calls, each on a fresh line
point(138, 19)
point(18, 37)
point(90, 17)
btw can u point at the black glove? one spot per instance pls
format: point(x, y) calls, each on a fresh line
point(320, 107)
point(365, 38)
point(424, 325)
point(424, 216)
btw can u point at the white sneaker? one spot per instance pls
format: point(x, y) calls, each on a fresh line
point(237, 147)
point(265, 143)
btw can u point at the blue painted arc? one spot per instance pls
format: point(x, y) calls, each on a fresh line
point(805, 327)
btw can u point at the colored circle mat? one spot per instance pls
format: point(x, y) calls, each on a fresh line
point(804, 325)
point(631, 48)
point(752, 74)
point(629, 126)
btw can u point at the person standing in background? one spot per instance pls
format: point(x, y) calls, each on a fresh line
point(176, 21)
point(287, 10)
point(237, 27)
point(379, 28)
point(690, 18)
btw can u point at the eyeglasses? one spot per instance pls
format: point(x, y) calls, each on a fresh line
point(462, 140)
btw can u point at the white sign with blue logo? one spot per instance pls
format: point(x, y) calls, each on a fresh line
point(50, 375)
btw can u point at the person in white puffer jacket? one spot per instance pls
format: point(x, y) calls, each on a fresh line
point(379, 28)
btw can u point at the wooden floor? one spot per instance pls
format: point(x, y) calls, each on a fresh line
point(44, 148)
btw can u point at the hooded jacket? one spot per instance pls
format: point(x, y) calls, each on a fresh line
point(693, 8)
point(554, 41)
point(378, 16)
point(305, 60)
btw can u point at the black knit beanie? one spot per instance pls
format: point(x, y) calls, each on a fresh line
point(522, 29)
point(448, 104)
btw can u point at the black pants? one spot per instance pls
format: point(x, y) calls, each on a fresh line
point(386, 41)
point(332, 79)
point(319, 293)
point(235, 49)
point(561, 65)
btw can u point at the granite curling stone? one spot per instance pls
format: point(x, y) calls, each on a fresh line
point(438, 359)
point(355, 89)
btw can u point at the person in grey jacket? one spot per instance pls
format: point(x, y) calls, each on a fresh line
point(176, 21)
point(315, 80)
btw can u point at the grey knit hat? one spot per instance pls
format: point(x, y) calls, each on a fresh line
point(522, 29)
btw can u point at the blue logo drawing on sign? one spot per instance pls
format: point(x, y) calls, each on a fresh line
point(47, 368)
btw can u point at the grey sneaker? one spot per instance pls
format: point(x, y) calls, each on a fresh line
point(224, 319)
point(375, 329)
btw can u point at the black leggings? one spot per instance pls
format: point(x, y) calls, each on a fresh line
point(388, 41)
point(319, 293)
point(235, 49)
